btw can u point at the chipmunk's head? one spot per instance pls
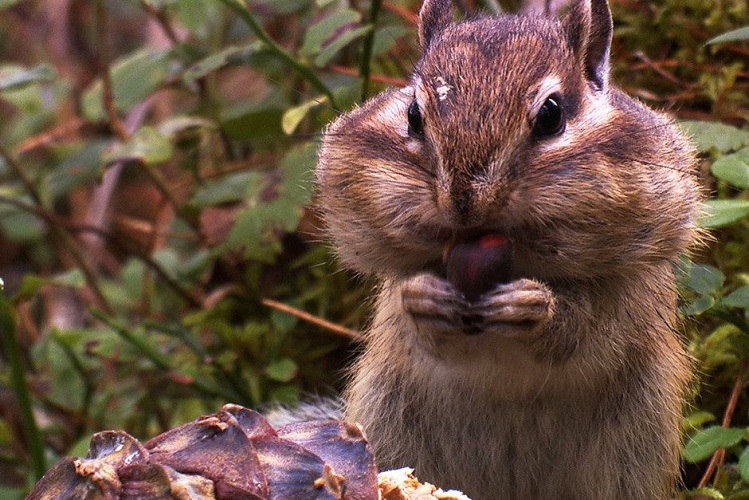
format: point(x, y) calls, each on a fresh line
point(492, 92)
point(510, 128)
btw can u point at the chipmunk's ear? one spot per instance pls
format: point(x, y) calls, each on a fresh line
point(589, 26)
point(434, 16)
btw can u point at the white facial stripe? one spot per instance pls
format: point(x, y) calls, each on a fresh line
point(394, 117)
point(545, 88)
point(442, 88)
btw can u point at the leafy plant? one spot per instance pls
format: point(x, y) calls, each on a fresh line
point(723, 350)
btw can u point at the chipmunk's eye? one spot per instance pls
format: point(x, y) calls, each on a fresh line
point(550, 118)
point(415, 120)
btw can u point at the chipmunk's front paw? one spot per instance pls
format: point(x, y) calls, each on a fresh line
point(515, 308)
point(434, 304)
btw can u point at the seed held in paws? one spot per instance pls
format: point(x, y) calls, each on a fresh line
point(475, 266)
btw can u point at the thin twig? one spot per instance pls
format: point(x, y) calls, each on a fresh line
point(81, 261)
point(719, 456)
point(162, 20)
point(311, 318)
point(102, 27)
point(389, 80)
point(50, 136)
point(402, 12)
point(159, 359)
point(305, 71)
point(116, 123)
point(657, 68)
point(58, 231)
point(10, 160)
point(55, 220)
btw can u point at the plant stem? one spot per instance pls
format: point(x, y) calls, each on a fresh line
point(115, 122)
point(57, 230)
point(719, 456)
point(89, 388)
point(21, 388)
point(55, 220)
point(160, 360)
point(305, 71)
point(365, 67)
point(17, 170)
point(311, 318)
point(102, 26)
point(160, 16)
point(156, 357)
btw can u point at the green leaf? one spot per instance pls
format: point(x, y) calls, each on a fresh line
point(293, 116)
point(202, 19)
point(733, 168)
point(330, 50)
point(283, 322)
point(697, 420)
point(706, 492)
point(258, 228)
point(4, 4)
point(298, 168)
point(251, 120)
point(31, 283)
point(12, 492)
point(76, 167)
point(326, 30)
point(737, 298)
point(720, 213)
point(147, 145)
point(20, 226)
point(73, 279)
point(225, 190)
point(716, 136)
point(174, 126)
point(707, 441)
point(698, 306)
point(160, 4)
point(284, 6)
point(731, 36)
point(283, 370)
point(386, 37)
point(252, 232)
point(134, 78)
point(230, 55)
point(13, 77)
point(286, 395)
point(744, 465)
point(705, 279)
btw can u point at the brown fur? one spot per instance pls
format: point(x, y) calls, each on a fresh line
point(574, 386)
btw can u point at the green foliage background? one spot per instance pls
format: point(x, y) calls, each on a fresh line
point(156, 165)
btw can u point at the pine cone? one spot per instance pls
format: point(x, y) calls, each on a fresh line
point(234, 454)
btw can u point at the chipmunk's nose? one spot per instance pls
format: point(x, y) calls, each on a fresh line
point(462, 200)
point(463, 203)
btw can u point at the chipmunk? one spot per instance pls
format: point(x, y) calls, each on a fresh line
point(524, 220)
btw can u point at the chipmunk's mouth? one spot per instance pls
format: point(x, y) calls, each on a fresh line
point(476, 262)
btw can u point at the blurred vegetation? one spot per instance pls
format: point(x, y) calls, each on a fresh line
point(156, 165)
